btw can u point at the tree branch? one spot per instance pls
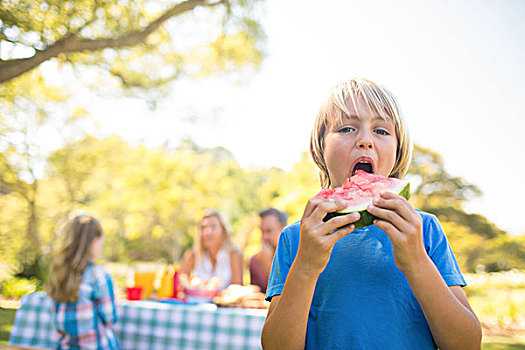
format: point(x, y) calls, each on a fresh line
point(10, 69)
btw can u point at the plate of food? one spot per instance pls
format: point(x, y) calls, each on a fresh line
point(197, 290)
point(239, 296)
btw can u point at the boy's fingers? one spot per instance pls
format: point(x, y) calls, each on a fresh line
point(341, 221)
point(397, 203)
point(310, 206)
point(327, 206)
point(392, 216)
point(396, 209)
point(392, 232)
point(340, 233)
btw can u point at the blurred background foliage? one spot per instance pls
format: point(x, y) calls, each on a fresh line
point(142, 44)
point(149, 201)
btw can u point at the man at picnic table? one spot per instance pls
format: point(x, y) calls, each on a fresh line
point(272, 223)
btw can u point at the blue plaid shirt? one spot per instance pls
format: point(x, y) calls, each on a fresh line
point(87, 323)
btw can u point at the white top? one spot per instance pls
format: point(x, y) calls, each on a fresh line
point(223, 270)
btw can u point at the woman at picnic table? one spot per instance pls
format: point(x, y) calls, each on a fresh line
point(213, 257)
point(84, 308)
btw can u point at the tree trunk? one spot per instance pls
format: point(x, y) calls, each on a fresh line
point(32, 225)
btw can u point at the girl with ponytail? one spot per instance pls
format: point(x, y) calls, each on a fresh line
point(84, 310)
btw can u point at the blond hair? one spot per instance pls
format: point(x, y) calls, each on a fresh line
point(72, 258)
point(198, 247)
point(379, 100)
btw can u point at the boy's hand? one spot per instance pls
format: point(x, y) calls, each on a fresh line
point(403, 225)
point(317, 239)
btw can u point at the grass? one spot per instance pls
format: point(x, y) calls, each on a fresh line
point(503, 342)
point(498, 300)
point(7, 318)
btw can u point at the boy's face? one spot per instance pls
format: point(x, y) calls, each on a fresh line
point(368, 143)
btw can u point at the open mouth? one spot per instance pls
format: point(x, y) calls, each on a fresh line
point(363, 165)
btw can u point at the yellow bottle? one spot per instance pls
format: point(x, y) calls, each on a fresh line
point(166, 284)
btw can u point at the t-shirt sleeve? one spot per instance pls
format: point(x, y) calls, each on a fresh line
point(105, 296)
point(440, 251)
point(282, 261)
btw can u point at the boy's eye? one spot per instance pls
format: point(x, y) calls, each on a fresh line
point(346, 129)
point(381, 132)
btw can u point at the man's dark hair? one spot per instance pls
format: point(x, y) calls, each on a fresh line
point(280, 215)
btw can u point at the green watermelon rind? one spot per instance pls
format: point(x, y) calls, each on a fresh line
point(367, 219)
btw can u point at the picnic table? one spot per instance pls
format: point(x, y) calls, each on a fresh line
point(150, 325)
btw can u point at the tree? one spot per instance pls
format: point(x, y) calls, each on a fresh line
point(149, 200)
point(438, 192)
point(290, 191)
point(475, 240)
point(142, 43)
point(26, 103)
point(435, 186)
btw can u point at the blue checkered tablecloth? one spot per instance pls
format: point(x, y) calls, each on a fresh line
point(150, 325)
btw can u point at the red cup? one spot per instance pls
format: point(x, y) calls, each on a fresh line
point(134, 293)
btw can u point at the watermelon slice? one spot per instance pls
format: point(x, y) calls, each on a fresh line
point(359, 191)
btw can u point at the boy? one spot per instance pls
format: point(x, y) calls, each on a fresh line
point(393, 285)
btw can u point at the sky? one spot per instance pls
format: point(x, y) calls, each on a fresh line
point(456, 67)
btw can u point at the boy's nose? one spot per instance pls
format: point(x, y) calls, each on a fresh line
point(365, 141)
point(365, 145)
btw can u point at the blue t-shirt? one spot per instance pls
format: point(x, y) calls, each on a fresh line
point(361, 299)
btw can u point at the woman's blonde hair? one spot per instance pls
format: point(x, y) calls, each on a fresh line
point(72, 258)
point(336, 106)
point(226, 231)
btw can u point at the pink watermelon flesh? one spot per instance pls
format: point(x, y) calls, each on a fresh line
point(359, 190)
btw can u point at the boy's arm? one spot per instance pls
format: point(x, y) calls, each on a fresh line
point(451, 320)
point(285, 325)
